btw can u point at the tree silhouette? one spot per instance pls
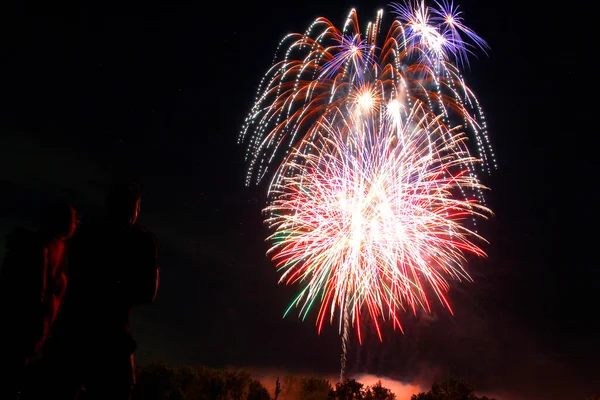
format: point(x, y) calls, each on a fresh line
point(155, 381)
point(315, 389)
point(378, 392)
point(277, 388)
point(237, 383)
point(256, 391)
point(449, 389)
point(349, 389)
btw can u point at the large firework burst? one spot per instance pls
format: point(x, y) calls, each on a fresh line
point(376, 149)
point(370, 214)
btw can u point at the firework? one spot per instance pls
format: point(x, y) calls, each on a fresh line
point(315, 73)
point(437, 33)
point(375, 147)
point(369, 216)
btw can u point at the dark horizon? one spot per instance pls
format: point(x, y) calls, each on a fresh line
point(157, 92)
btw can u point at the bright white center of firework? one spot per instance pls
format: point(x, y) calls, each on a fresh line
point(393, 107)
point(372, 221)
point(393, 112)
point(365, 101)
point(450, 20)
point(430, 37)
point(353, 50)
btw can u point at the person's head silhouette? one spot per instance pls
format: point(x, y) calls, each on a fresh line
point(123, 204)
point(58, 221)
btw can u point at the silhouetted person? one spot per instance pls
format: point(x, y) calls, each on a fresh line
point(112, 267)
point(32, 285)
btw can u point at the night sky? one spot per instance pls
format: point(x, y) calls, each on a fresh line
point(156, 93)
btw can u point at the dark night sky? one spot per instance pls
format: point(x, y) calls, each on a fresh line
point(157, 92)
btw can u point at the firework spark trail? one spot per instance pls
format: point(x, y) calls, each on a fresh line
point(373, 185)
point(345, 340)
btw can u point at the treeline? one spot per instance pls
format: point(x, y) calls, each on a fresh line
point(158, 381)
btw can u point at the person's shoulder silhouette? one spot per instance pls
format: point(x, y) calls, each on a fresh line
point(33, 281)
point(33, 255)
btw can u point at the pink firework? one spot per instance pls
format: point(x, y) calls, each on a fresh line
point(371, 216)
